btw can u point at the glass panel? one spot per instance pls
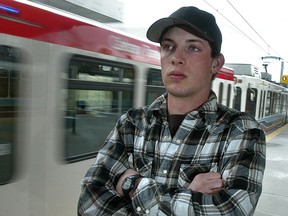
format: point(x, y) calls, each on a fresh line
point(229, 90)
point(263, 104)
point(155, 86)
point(251, 100)
point(285, 103)
point(91, 69)
point(237, 99)
point(282, 106)
point(154, 78)
point(260, 105)
point(99, 91)
point(9, 108)
point(90, 117)
point(268, 104)
point(276, 102)
point(220, 93)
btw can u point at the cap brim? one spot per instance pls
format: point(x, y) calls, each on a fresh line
point(155, 31)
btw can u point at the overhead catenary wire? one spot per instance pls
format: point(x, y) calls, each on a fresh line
point(241, 31)
point(269, 47)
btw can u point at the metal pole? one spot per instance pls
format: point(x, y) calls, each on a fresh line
point(282, 69)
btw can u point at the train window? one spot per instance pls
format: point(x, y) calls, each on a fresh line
point(155, 86)
point(229, 90)
point(104, 71)
point(154, 77)
point(285, 103)
point(220, 93)
point(10, 60)
point(273, 105)
point(277, 103)
point(237, 99)
point(269, 104)
point(251, 101)
point(262, 102)
point(98, 92)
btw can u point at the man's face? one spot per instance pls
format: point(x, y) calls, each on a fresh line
point(187, 65)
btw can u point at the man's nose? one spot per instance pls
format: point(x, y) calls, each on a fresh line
point(178, 58)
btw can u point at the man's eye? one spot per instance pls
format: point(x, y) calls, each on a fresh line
point(166, 47)
point(193, 49)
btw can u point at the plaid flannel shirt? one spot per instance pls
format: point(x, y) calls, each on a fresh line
point(211, 138)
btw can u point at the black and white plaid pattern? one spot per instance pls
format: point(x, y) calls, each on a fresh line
point(212, 138)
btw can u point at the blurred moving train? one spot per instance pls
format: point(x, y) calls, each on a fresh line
point(64, 81)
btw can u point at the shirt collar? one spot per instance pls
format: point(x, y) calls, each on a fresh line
point(206, 111)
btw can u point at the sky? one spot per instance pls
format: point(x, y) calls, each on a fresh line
point(251, 29)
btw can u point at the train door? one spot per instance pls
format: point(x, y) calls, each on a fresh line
point(251, 101)
point(238, 97)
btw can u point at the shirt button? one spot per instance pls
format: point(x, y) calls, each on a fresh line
point(178, 141)
point(147, 211)
point(165, 171)
point(138, 208)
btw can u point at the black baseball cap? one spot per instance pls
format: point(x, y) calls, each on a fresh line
point(199, 21)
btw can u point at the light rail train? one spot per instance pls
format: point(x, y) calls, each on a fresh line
point(64, 81)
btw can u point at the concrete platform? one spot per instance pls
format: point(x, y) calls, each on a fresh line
point(274, 198)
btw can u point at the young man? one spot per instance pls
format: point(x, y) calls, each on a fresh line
point(184, 154)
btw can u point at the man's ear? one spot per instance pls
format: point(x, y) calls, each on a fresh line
point(218, 63)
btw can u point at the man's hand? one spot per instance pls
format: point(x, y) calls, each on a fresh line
point(207, 183)
point(127, 173)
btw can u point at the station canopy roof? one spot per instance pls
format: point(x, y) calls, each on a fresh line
point(105, 11)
